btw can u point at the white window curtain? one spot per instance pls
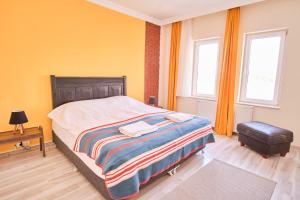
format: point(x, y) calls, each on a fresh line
point(185, 70)
point(165, 39)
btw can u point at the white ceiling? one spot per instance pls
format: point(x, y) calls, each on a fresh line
point(162, 12)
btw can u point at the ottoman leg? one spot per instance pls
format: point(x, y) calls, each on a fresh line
point(283, 154)
point(265, 156)
point(242, 144)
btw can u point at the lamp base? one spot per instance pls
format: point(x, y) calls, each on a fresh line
point(19, 128)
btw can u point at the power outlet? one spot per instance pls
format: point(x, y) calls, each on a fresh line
point(18, 145)
point(26, 143)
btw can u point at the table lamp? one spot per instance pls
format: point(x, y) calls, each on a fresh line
point(18, 118)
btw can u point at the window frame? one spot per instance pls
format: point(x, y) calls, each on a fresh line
point(248, 37)
point(197, 43)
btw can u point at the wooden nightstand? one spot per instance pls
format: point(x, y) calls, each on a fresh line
point(29, 133)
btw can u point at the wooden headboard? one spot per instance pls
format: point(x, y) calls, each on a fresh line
point(69, 89)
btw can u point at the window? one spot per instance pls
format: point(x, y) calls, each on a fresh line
point(261, 67)
point(206, 62)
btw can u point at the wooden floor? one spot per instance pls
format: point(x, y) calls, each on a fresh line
point(30, 176)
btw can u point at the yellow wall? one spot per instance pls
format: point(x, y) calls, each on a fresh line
point(62, 37)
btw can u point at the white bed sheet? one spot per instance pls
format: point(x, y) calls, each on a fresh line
point(69, 139)
point(70, 119)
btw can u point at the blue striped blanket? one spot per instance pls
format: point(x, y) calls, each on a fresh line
point(129, 162)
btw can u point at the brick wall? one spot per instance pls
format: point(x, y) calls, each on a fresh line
point(152, 47)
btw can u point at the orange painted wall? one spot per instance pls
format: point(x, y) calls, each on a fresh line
point(62, 37)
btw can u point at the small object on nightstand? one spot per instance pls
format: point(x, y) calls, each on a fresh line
point(18, 118)
point(28, 134)
point(152, 100)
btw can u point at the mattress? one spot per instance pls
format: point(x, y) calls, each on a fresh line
point(69, 140)
point(71, 119)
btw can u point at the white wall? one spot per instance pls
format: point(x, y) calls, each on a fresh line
point(208, 26)
point(270, 14)
point(274, 14)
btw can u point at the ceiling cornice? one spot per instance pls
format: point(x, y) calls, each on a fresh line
point(207, 11)
point(142, 16)
point(127, 11)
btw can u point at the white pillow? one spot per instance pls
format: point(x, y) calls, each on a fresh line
point(82, 115)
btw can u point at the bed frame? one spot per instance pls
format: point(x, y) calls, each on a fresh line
point(69, 89)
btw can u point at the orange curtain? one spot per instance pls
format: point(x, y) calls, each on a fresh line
point(225, 106)
point(173, 65)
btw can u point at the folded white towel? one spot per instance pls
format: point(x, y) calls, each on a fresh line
point(137, 129)
point(179, 117)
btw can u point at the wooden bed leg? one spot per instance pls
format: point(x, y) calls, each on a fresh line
point(265, 156)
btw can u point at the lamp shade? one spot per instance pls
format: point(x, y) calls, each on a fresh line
point(18, 117)
point(152, 100)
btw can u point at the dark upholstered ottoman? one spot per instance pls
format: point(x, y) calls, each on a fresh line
point(264, 138)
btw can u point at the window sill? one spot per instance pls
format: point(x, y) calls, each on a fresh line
point(259, 105)
point(198, 98)
point(239, 103)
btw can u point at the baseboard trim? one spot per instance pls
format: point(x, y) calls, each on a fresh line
point(295, 147)
point(49, 144)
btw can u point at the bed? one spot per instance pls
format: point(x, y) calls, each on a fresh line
point(87, 114)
